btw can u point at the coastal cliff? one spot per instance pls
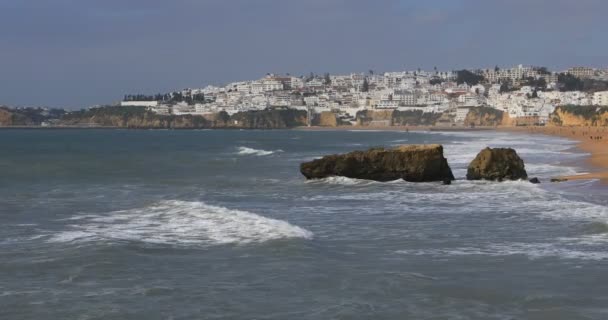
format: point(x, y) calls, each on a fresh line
point(140, 118)
point(396, 118)
point(267, 119)
point(6, 118)
point(587, 116)
point(27, 116)
point(486, 117)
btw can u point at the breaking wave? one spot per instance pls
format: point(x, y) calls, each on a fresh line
point(180, 223)
point(245, 151)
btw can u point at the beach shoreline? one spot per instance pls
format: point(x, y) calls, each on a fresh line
point(591, 140)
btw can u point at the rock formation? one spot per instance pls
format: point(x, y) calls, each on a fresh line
point(415, 163)
point(327, 119)
point(587, 116)
point(497, 164)
point(484, 116)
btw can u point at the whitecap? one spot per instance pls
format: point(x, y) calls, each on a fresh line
point(180, 223)
point(245, 151)
point(344, 181)
point(530, 250)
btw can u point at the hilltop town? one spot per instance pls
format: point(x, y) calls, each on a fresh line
point(525, 94)
point(518, 96)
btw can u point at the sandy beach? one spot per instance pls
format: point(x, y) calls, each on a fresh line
point(593, 140)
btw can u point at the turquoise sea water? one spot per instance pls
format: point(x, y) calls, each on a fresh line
point(118, 224)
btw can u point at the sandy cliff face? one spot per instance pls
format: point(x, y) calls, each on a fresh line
point(579, 116)
point(328, 119)
point(487, 117)
point(6, 118)
point(374, 117)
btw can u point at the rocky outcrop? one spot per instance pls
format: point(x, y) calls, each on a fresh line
point(588, 116)
point(376, 118)
point(327, 119)
point(486, 117)
point(414, 163)
point(414, 118)
point(497, 164)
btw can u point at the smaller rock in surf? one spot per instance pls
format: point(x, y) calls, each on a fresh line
point(497, 164)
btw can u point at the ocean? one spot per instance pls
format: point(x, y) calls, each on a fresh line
point(120, 224)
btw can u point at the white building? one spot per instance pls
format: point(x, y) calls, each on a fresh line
point(139, 103)
point(600, 98)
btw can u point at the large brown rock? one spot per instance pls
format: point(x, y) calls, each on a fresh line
point(415, 163)
point(497, 164)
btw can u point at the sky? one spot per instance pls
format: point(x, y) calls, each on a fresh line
point(79, 53)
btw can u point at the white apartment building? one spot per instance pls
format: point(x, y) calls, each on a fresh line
point(297, 83)
point(161, 109)
point(387, 104)
point(271, 84)
point(600, 98)
point(581, 72)
point(139, 103)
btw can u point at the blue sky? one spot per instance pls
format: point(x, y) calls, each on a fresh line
point(77, 53)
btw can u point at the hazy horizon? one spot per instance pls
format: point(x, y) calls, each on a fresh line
point(75, 54)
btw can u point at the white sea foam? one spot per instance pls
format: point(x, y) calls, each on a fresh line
point(341, 181)
point(180, 223)
point(245, 151)
point(530, 250)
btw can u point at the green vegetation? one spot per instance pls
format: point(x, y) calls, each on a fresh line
point(468, 77)
point(436, 80)
point(365, 86)
point(568, 82)
point(140, 117)
point(586, 112)
point(169, 97)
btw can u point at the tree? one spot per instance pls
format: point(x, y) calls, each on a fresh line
point(327, 79)
point(543, 70)
point(535, 94)
point(365, 86)
point(468, 77)
point(435, 80)
point(569, 82)
point(496, 69)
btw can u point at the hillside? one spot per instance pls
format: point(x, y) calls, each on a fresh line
point(140, 118)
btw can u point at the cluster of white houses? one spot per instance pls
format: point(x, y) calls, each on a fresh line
point(409, 90)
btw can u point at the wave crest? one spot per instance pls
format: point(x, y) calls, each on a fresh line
point(245, 151)
point(181, 223)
